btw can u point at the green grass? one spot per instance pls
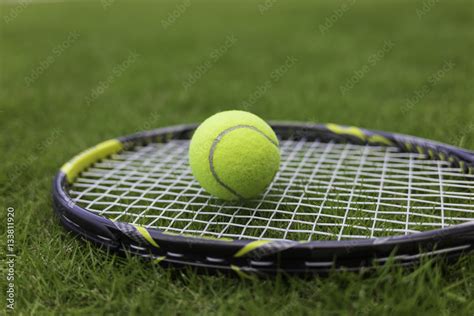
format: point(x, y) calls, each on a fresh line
point(45, 121)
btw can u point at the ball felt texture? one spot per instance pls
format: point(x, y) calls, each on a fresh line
point(234, 155)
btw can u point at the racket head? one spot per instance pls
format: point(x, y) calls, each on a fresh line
point(271, 253)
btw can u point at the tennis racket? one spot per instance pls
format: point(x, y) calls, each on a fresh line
point(344, 198)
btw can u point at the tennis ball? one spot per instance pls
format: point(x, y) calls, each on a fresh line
point(234, 155)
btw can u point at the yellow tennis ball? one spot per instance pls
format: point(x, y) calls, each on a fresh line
point(234, 155)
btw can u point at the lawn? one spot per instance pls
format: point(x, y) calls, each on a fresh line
point(75, 73)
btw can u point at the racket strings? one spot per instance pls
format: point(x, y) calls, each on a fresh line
point(322, 191)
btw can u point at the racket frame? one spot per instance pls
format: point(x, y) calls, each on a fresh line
point(267, 255)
